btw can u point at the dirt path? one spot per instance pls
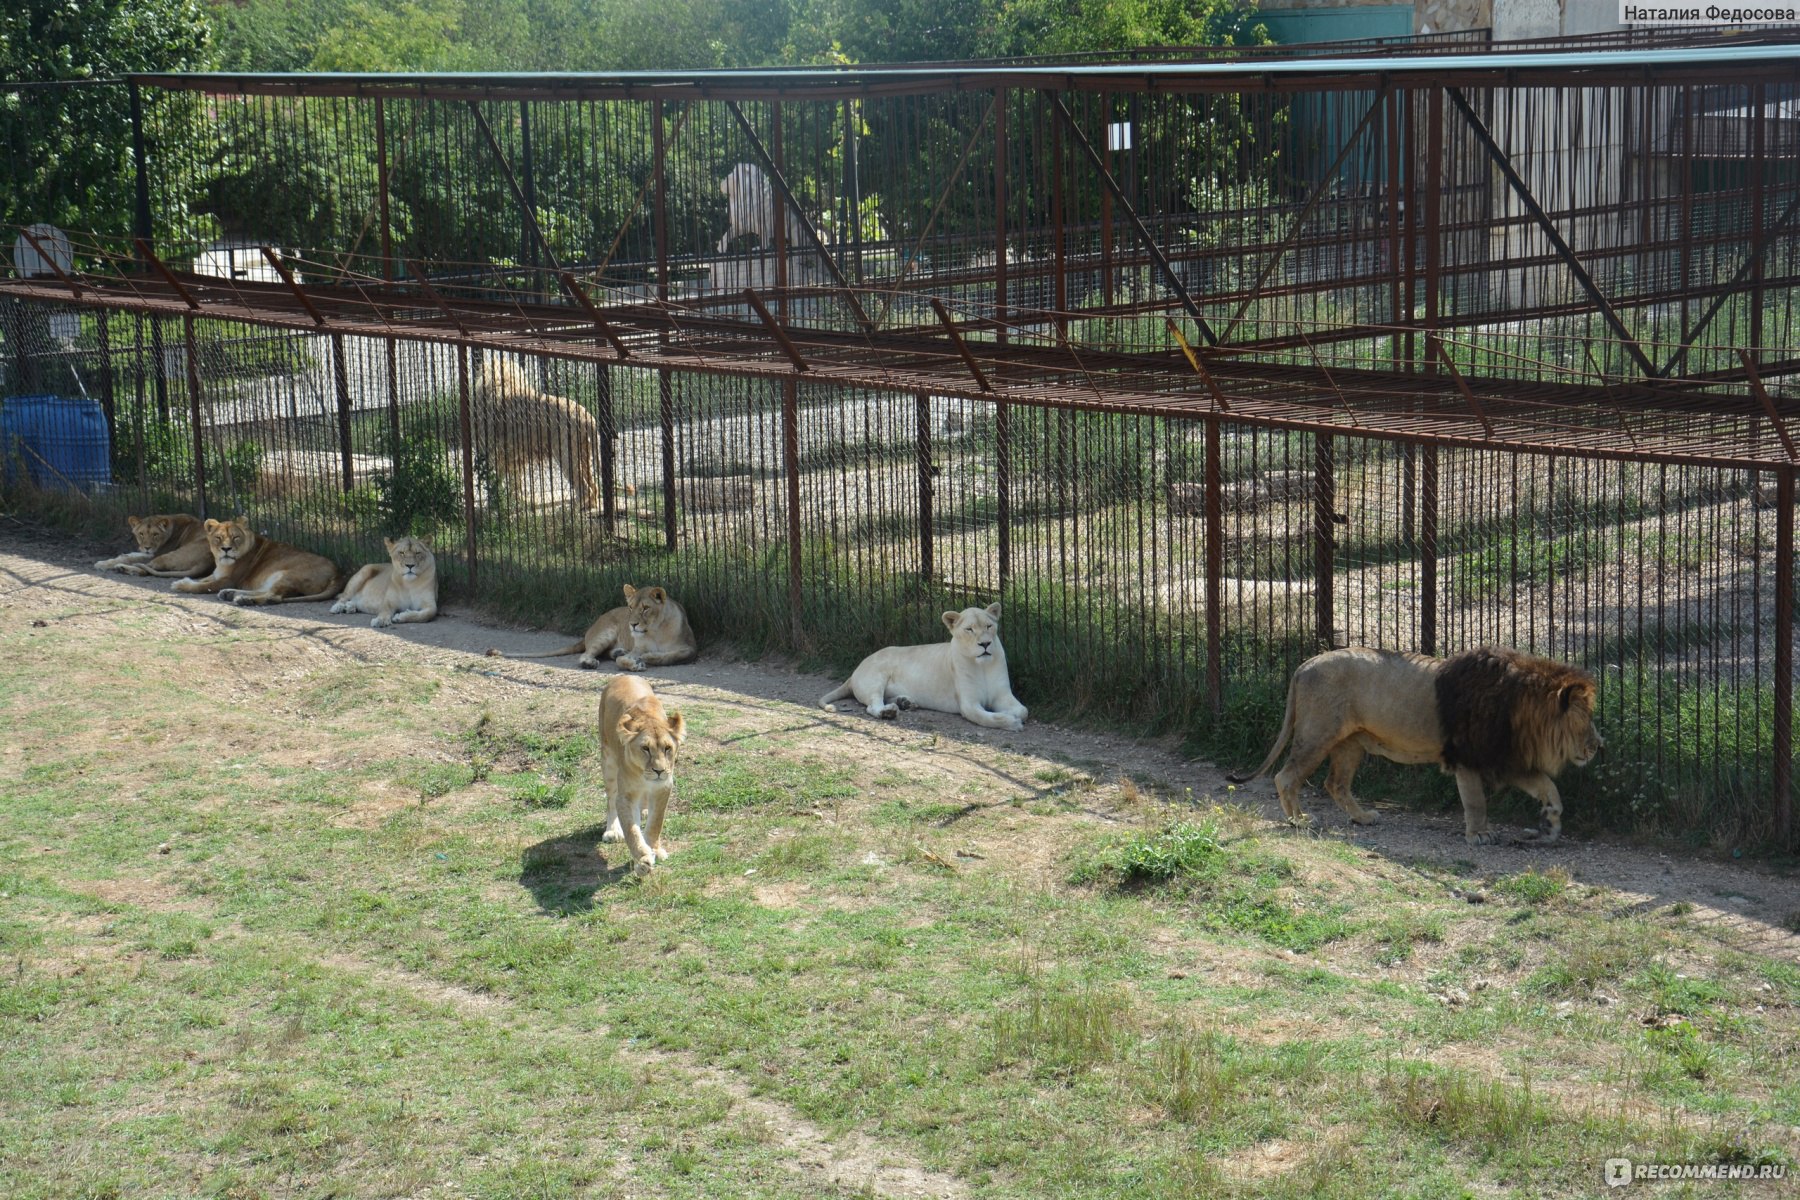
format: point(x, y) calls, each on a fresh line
point(1756, 907)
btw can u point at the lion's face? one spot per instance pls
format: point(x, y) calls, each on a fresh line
point(650, 743)
point(1581, 738)
point(229, 540)
point(646, 608)
point(975, 632)
point(410, 556)
point(150, 532)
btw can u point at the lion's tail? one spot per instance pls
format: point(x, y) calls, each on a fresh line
point(571, 648)
point(834, 695)
point(330, 593)
point(1281, 739)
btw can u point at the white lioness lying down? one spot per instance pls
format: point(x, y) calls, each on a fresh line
point(966, 675)
point(399, 590)
point(637, 761)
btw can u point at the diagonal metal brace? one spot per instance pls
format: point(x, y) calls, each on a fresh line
point(432, 295)
point(50, 261)
point(962, 347)
point(287, 277)
point(780, 183)
point(1437, 344)
point(1137, 223)
point(512, 183)
point(777, 332)
point(149, 256)
point(1787, 439)
point(1212, 385)
point(1563, 251)
point(581, 297)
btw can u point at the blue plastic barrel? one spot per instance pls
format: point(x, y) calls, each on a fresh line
point(60, 441)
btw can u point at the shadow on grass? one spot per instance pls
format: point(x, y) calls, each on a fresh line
point(564, 873)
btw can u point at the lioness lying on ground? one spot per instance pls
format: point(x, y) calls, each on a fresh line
point(638, 741)
point(170, 545)
point(397, 591)
point(649, 630)
point(1488, 716)
point(248, 569)
point(965, 675)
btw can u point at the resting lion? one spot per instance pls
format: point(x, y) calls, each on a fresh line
point(170, 546)
point(966, 675)
point(397, 591)
point(248, 569)
point(1488, 716)
point(649, 630)
point(638, 741)
point(516, 425)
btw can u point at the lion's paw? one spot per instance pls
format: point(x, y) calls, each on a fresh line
point(135, 569)
point(643, 866)
point(613, 833)
point(339, 606)
point(1486, 837)
point(903, 704)
point(381, 622)
point(888, 712)
point(629, 662)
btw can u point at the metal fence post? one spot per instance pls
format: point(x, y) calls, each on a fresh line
point(340, 373)
point(1783, 749)
point(927, 566)
point(1215, 569)
point(468, 458)
point(193, 376)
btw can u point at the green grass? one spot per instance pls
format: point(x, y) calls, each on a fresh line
point(385, 952)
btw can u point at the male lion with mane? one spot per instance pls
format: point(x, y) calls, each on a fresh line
point(1491, 717)
point(516, 425)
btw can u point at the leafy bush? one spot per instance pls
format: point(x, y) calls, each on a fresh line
point(420, 492)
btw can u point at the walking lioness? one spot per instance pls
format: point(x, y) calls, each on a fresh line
point(637, 762)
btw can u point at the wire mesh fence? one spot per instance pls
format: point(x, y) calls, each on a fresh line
point(1197, 372)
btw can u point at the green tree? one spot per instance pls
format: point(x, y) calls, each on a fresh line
point(65, 136)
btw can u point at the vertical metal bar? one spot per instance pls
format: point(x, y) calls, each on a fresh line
point(381, 190)
point(1430, 228)
point(108, 400)
point(1215, 569)
point(927, 564)
point(664, 381)
point(1758, 129)
point(468, 459)
point(340, 373)
point(1059, 238)
point(1783, 749)
point(142, 226)
point(1002, 410)
point(193, 376)
point(1428, 547)
point(528, 183)
point(790, 453)
point(1324, 535)
point(609, 444)
point(393, 393)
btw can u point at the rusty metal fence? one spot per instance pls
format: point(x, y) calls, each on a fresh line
point(1198, 368)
